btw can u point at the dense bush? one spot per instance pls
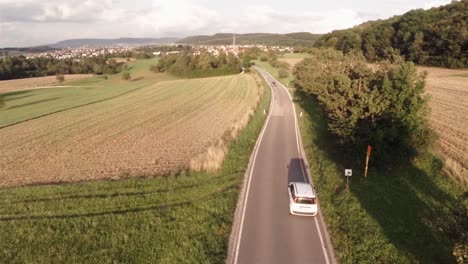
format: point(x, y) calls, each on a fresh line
point(193, 66)
point(435, 37)
point(283, 73)
point(60, 78)
point(126, 76)
point(383, 107)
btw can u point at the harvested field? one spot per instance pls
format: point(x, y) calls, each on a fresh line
point(38, 82)
point(20, 106)
point(291, 61)
point(154, 130)
point(449, 117)
point(293, 58)
point(123, 59)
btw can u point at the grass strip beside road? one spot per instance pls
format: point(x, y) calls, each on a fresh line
point(411, 214)
point(182, 218)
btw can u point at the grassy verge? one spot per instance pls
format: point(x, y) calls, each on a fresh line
point(175, 219)
point(412, 214)
point(274, 71)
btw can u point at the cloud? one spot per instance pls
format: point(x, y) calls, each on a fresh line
point(436, 3)
point(267, 19)
point(70, 11)
point(35, 22)
point(62, 19)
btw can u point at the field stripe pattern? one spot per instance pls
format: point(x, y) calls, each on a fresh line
point(448, 90)
point(155, 130)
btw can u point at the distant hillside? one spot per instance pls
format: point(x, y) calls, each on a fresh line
point(28, 50)
point(77, 43)
point(290, 39)
point(436, 37)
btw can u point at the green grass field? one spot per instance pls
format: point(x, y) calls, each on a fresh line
point(291, 58)
point(412, 214)
point(295, 55)
point(28, 104)
point(175, 219)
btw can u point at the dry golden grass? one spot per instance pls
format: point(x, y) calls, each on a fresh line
point(125, 60)
point(291, 61)
point(212, 159)
point(449, 117)
point(155, 130)
point(38, 82)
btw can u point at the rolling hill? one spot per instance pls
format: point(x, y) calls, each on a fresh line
point(434, 37)
point(290, 39)
point(76, 43)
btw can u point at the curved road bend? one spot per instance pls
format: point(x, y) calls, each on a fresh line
point(268, 233)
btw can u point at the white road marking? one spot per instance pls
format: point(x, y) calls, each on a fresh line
point(304, 172)
point(239, 237)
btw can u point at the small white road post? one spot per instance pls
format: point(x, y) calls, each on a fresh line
point(348, 173)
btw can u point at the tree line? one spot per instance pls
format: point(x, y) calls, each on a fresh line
point(188, 65)
point(435, 37)
point(269, 39)
point(22, 67)
point(381, 105)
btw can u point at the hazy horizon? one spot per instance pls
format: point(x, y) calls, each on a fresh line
point(25, 23)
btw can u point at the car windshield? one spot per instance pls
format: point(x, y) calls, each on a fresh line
point(306, 200)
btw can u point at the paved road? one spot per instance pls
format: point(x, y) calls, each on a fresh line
point(267, 232)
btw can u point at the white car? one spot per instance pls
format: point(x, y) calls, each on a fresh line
point(302, 200)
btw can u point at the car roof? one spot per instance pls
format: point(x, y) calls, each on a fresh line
point(303, 189)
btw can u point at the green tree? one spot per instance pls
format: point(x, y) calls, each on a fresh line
point(435, 37)
point(98, 69)
point(283, 73)
point(385, 108)
point(246, 61)
point(60, 78)
point(126, 76)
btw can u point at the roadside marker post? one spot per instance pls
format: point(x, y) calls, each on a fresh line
point(369, 150)
point(348, 173)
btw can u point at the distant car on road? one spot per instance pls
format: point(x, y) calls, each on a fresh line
point(273, 83)
point(302, 200)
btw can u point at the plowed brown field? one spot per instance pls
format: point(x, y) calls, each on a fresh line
point(155, 130)
point(449, 117)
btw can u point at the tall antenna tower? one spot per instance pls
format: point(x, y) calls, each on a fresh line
point(234, 42)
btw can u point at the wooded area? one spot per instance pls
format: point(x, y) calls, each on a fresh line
point(382, 105)
point(434, 37)
point(22, 67)
point(196, 66)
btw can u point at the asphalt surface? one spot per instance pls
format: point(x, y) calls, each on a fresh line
point(268, 233)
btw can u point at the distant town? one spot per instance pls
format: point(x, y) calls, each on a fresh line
point(79, 53)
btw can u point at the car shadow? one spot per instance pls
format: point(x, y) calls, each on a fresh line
point(297, 171)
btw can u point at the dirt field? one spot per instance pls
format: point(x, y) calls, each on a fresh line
point(155, 130)
point(38, 82)
point(449, 117)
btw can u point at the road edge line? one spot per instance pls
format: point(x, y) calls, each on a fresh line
point(239, 214)
point(331, 256)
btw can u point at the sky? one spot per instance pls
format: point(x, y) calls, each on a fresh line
point(37, 22)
